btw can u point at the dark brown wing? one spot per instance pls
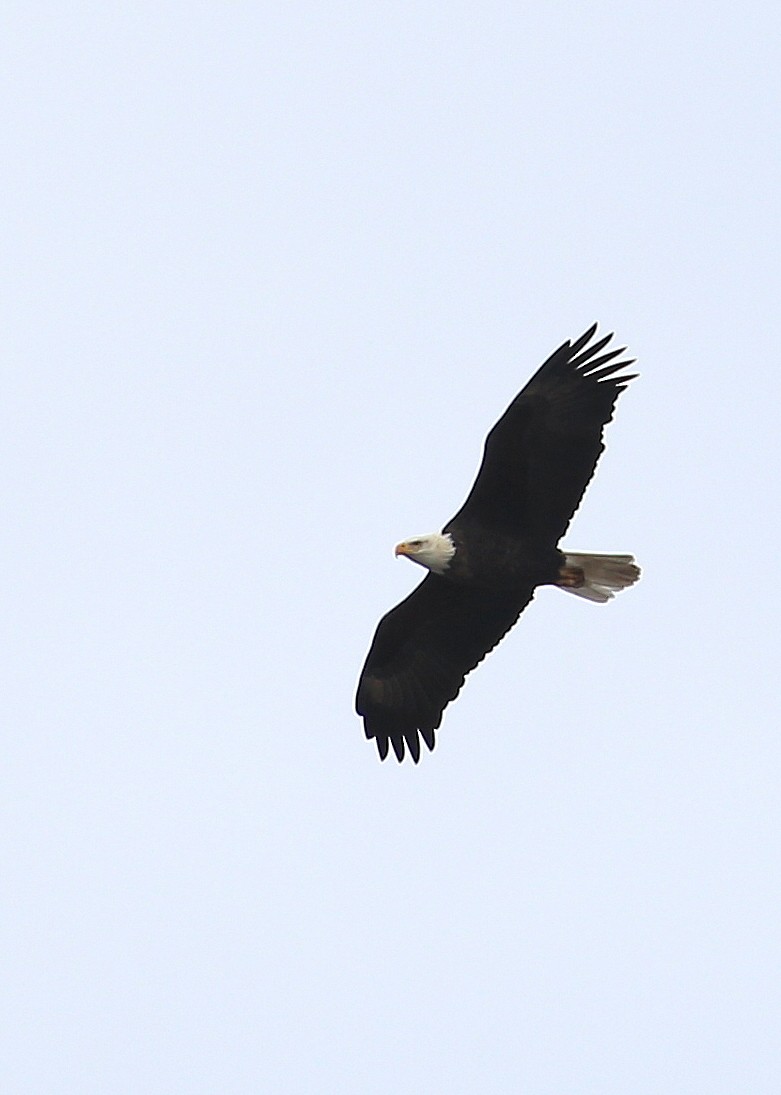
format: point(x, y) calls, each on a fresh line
point(541, 454)
point(421, 653)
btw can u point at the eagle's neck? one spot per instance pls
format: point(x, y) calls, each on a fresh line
point(440, 549)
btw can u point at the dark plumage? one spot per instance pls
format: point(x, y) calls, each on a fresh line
point(502, 544)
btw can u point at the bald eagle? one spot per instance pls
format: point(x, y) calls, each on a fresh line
point(487, 561)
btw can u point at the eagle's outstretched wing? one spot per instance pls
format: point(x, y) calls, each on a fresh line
point(541, 454)
point(421, 653)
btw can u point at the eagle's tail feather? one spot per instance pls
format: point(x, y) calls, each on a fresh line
point(603, 575)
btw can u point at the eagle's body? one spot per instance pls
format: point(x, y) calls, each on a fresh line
point(486, 563)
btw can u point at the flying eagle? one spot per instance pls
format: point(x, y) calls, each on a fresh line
point(486, 563)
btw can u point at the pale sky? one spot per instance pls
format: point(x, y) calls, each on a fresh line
point(270, 274)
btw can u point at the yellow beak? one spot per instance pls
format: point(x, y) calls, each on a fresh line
point(401, 549)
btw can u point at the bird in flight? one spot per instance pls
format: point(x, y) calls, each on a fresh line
point(485, 564)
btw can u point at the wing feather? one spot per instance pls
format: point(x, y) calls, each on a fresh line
point(541, 454)
point(422, 651)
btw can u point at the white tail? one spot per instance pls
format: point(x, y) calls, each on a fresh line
point(603, 575)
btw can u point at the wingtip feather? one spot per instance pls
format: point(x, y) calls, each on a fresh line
point(576, 346)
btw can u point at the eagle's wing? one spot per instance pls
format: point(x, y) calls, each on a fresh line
point(541, 454)
point(421, 653)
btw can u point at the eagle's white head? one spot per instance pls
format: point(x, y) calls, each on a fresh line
point(433, 551)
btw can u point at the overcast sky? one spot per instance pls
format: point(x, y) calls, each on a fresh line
point(270, 273)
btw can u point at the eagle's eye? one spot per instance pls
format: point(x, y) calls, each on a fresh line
point(416, 543)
